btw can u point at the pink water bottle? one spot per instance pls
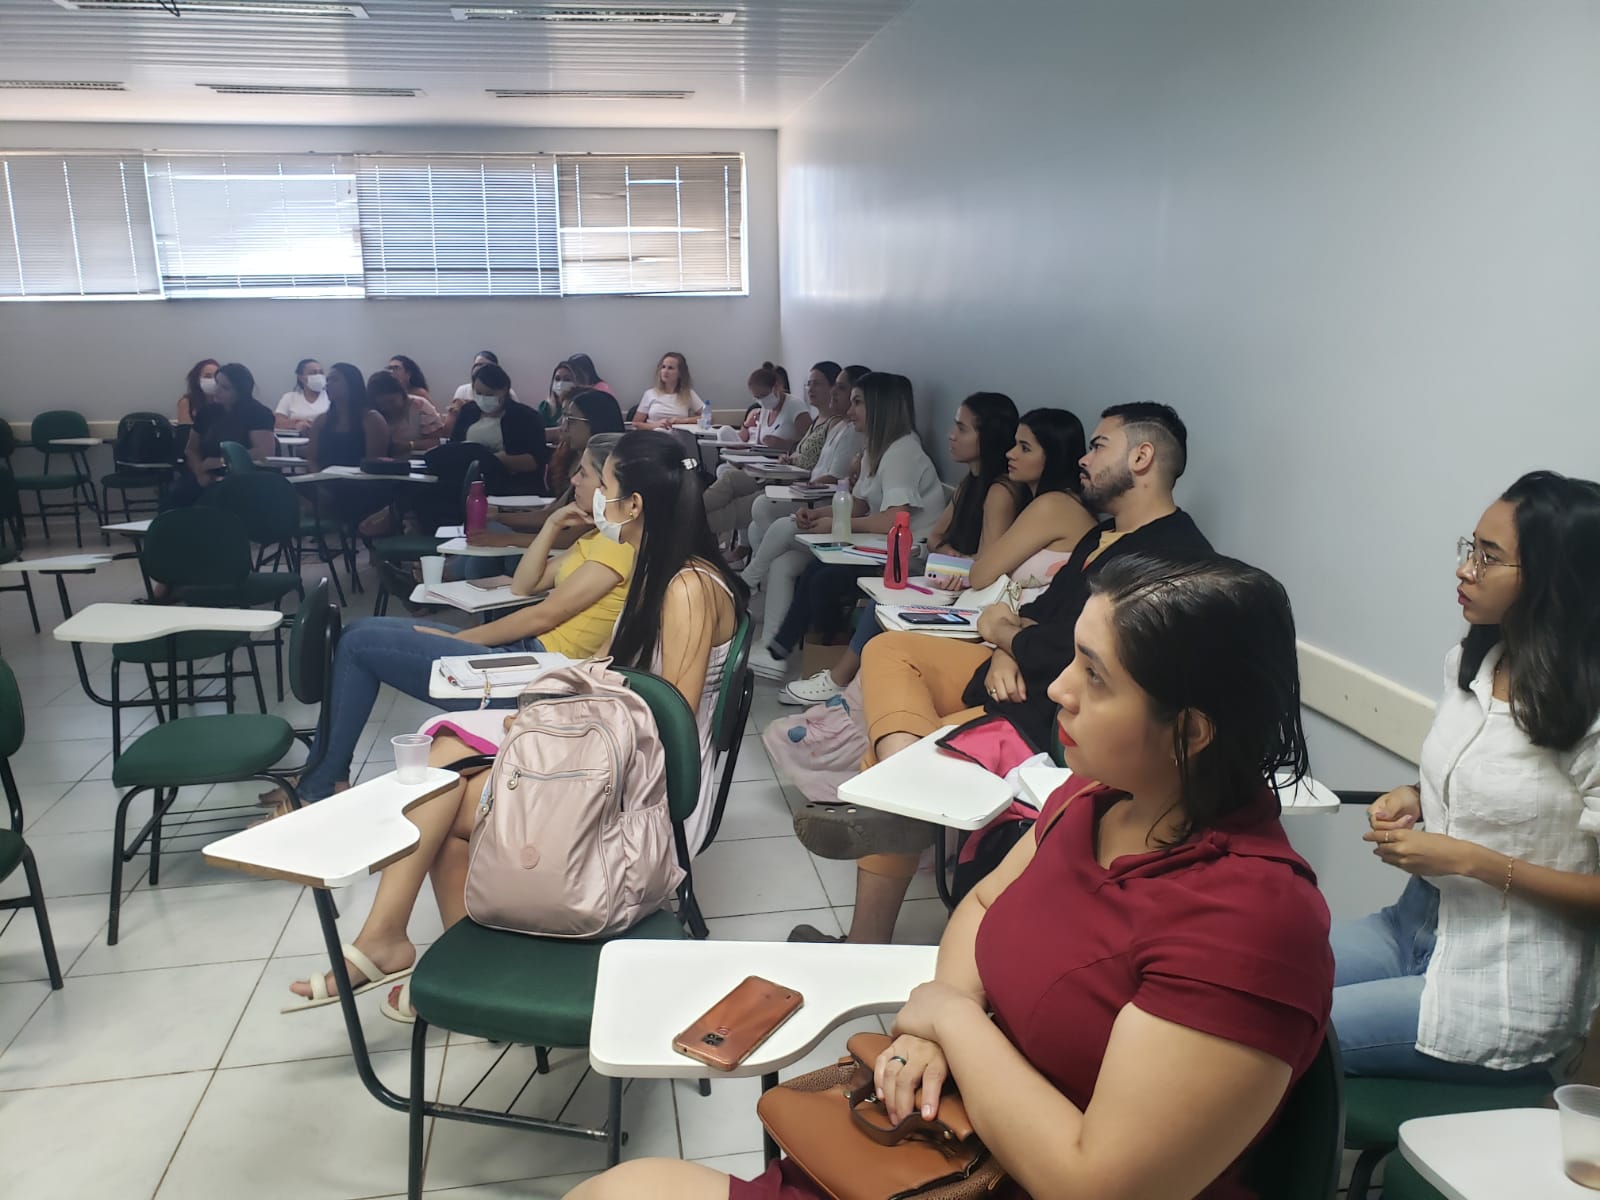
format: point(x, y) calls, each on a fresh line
point(477, 507)
point(897, 567)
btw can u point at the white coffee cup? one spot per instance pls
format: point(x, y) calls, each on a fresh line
point(433, 569)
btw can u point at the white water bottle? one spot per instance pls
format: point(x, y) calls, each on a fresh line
point(842, 504)
point(705, 416)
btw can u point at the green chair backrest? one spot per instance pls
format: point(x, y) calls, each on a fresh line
point(680, 738)
point(57, 423)
point(311, 640)
point(13, 726)
point(237, 457)
point(201, 546)
point(1300, 1157)
point(264, 500)
point(10, 503)
point(733, 670)
point(8, 440)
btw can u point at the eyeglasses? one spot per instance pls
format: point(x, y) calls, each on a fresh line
point(1474, 561)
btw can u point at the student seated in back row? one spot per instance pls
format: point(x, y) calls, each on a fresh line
point(1126, 1000)
point(681, 610)
point(230, 414)
point(912, 684)
point(1484, 971)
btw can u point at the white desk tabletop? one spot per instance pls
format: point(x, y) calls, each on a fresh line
point(1308, 796)
point(884, 594)
point(292, 439)
point(337, 841)
point(772, 470)
point(129, 527)
point(73, 563)
point(141, 466)
point(352, 475)
point(845, 558)
point(118, 624)
point(796, 492)
point(440, 687)
point(285, 460)
point(464, 596)
point(521, 502)
point(459, 546)
point(77, 441)
point(648, 992)
point(1491, 1155)
point(929, 784)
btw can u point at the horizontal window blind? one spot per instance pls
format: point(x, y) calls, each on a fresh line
point(469, 226)
point(651, 224)
point(75, 225)
point(256, 225)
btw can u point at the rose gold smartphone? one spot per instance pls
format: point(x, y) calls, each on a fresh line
point(734, 1026)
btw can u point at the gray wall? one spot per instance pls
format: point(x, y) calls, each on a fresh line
point(106, 358)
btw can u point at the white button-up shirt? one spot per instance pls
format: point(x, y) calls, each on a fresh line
point(1515, 984)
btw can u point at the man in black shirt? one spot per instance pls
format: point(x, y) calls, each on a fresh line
point(1136, 455)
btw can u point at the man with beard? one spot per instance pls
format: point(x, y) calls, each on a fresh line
point(912, 684)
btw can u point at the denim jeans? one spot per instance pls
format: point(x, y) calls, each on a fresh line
point(472, 566)
point(819, 586)
point(1378, 967)
point(375, 651)
point(867, 628)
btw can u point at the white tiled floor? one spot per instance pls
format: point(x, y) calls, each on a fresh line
point(164, 1068)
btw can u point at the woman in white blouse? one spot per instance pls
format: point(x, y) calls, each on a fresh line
point(1484, 970)
point(896, 476)
point(308, 401)
point(673, 397)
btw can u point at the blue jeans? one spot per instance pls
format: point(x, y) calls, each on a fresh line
point(375, 651)
point(820, 586)
point(1378, 967)
point(472, 566)
point(867, 628)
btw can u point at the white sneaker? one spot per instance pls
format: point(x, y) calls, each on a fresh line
point(813, 689)
point(768, 665)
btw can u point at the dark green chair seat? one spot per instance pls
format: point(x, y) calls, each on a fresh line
point(1402, 1181)
point(197, 750)
point(154, 477)
point(1376, 1108)
point(509, 987)
point(259, 587)
point(11, 848)
point(191, 648)
point(402, 547)
point(57, 479)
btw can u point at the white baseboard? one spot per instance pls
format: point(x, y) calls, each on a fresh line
point(1380, 710)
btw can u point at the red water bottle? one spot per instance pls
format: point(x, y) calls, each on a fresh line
point(477, 507)
point(897, 567)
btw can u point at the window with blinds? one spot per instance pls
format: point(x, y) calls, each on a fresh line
point(637, 225)
point(75, 225)
point(256, 225)
point(467, 226)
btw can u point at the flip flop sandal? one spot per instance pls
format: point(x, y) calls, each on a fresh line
point(850, 831)
point(318, 983)
point(397, 1004)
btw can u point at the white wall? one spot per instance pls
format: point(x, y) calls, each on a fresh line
point(106, 358)
point(1354, 244)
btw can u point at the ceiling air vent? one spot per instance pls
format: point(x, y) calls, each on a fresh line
point(572, 15)
point(63, 85)
point(310, 89)
point(583, 94)
point(220, 8)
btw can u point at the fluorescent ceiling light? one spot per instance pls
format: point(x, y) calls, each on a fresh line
point(63, 85)
point(584, 94)
point(220, 8)
point(307, 89)
point(568, 15)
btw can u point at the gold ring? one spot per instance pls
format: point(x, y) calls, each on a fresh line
point(1388, 837)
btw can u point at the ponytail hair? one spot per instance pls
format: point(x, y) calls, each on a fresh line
point(675, 534)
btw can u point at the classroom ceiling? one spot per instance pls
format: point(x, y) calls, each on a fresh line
point(728, 64)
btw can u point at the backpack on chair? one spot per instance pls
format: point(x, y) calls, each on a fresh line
point(573, 837)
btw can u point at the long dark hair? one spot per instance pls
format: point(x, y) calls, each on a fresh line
point(357, 401)
point(1214, 637)
point(413, 372)
point(583, 367)
point(598, 408)
point(675, 533)
point(381, 384)
point(191, 384)
point(493, 376)
point(244, 383)
point(1060, 436)
point(891, 413)
point(995, 417)
point(1552, 629)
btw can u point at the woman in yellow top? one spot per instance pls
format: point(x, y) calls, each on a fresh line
point(587, 585)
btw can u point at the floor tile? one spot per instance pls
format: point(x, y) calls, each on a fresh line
point(134, 1124)
point(87, 807)
point(267, 1034)
point(753, 763)
point(137, 1023)
point(75, 864)
point(180, 927)
point(756, 875)
point(839, 880)
point(302, 1129)
point(719, 1124)
point(303, 934)
point(755, 810)
point(18, 1002)
point(920, 923)
point(60, 762)
point(75, 923)
point(772, 926)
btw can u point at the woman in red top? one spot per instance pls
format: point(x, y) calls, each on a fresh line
point(1126, 1000)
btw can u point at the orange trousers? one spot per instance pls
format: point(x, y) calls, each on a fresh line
point(912, 683)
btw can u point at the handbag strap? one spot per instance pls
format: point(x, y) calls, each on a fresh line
point(861, 1089)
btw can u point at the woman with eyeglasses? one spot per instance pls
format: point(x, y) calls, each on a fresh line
point(1484, 970)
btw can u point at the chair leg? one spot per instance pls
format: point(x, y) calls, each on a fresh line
point(614, 1123)
point(689, 912)
point(419, 1058)
point(155, 839)
point(541, 1060)
point(13, 796)
point(704, 1086)
point(1361, 1173)
point(27, 591)
point(255, 676)
point(119, 832)
point(36, 897)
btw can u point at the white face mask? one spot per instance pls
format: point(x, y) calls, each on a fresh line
point(767, 401)
point(316, 382)
point(209, 386)
point(597, 509)
point(487, 404)
point(561, 387)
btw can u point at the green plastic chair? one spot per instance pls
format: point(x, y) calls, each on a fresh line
point(14, 851)
point(153, 432)
point(46, 428)
point(202, 751)
point(11, 518)
point(1402, 1181)
point(1301, 1156)
point(238, 458)
point(1376, 1108)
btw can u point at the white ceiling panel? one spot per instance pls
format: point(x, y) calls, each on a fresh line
point(747, 70)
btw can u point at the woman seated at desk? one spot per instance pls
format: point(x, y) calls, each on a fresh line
point(513, 432)
point(231, 414)
point(1142, 1046)
point(682, 608)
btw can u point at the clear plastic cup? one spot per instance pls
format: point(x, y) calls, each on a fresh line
point(433, 569)
point(411, 752)
point(1580, 1133)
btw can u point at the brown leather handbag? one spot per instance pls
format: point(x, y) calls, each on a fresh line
point(832, 1126)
